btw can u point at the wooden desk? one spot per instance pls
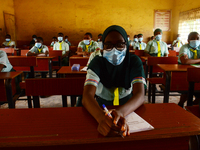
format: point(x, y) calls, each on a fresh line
point(78, 60)
point(132, 51)
point(169, 68)
point(6, 78)
point(194, 110)
point(57, 128)
point(66, 71)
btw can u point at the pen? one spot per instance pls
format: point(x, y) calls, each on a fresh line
point(109, 115)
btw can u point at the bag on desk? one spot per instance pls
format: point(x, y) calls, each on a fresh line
point(75, 67)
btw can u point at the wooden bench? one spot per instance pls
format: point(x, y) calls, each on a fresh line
point(54, 86)
point(172, 53)
point(152, 63)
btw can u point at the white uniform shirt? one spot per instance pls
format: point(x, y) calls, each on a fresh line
point(4, 61)
point(65, 47)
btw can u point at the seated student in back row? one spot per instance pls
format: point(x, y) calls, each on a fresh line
point(8, 42)
point(135, 40)
point(54, 40)
point(190, 54)
point(99, 41)
point(5, 65)
point(87, 45)
point(116, 78)
point(32, 43)
point(39, 49)
point(140, 45)
point(62, 45)
point(157, 47)
point(177, 42)
point(67, 40)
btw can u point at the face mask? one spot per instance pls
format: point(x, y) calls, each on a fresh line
point(87, 42)
point(114, 56)
point(178, 38)
point(60, 38)
point(158, 37)
point(7, 40)
point(140, 39)
point(98, 40)
point(34, 39)
point(38, 45)
point(66, 40)
point(52, 43)
point(128, 38)
point(136, 39)
point(194, 43)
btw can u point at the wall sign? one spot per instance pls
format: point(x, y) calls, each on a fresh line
point(162, 19)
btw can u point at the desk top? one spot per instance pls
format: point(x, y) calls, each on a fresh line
point(174, 67)
point(78, 57)
point(67, 70)
point(9, 75)
point(145, 57)
point(194, 110)
point(38, 57)
point(74, 125)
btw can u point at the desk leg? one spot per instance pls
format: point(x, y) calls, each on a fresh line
point(190, 94)
point(9, 95)
point(167, 87)
point(73, 101)
point(36, 101)
point(64, 100)
point(50, 68)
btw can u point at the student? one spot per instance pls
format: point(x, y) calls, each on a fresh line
point(39, 49)
point(32, 43)
point(67, 40)
point(8, 42)
point(129, 41)
point(177, 42)
point(140, 45)
point(152, 38)
point(99, 41)
point(116, 71)
point(190, 54)
point(62, 45)
point(87, 45)
point(135, 40)
point(5, 65)
point(157, 47)
point(54, 40)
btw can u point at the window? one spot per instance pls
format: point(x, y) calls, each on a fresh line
point(189, 21)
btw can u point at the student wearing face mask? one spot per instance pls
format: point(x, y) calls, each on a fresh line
point(177, 42)
point(87, 45)
point(62, 45)
point(190, 54)
point(157, 47)
point(8, 42)
point(116, 78)
point(135, 40)
point(140, 45)
point(32, 43)
point(129, 40)
point(54, 40)
point(99, 41)
point(67, 40)
point(38, 49)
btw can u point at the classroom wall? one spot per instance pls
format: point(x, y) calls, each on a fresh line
point(8, 7)
point(180, 6)
point(48, 17)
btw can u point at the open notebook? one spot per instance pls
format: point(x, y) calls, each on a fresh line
point(137, 124)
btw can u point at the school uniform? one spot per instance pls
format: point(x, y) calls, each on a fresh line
point(152, 48)
point(61, 46)
point(4, 61)
point(129, 42)
point(9, 44)
point(190, 52)
point(96, 53)
point(68, 42)
point(52, 44)
point(140, 46)
point(93, 46)
point(100, 45)
point(178, 44)
point(42, 50)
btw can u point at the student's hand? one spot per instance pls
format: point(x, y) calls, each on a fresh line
point(86, 54)
point(41, 55)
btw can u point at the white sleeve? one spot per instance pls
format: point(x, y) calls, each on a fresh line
point(3, 57)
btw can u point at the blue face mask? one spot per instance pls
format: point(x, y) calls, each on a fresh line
point(7, 40)
point(194, 43)
point(178, 38)
point(115, 56)
point(60, 38)
point(38, 45)
point(128, 38)
point(158, 37)
point(34, 39)
point(136, 39)
point(66, 40)
point(87, 42)
point(140, 39)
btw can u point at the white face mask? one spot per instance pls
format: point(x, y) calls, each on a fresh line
point(115, 56)
point(87, 42)
point(60, 38)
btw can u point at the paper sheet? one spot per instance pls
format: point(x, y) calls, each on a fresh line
point(137, 124)
point(84, 69)
point(196, 65)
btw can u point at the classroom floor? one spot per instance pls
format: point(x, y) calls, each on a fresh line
point(56, 101)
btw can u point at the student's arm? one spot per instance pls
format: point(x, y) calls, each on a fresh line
point(1, 67)
point(31, 52)
point(166, 52)
point(147, 49)
point(186, 61)
point(174, 43)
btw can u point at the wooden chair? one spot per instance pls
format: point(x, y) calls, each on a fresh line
point(54, 86)
point(193, 76)
point(78, 60)
point(58, 54)
point(152, 63)
point(139, 52)
point(9, 51)
point(24, 52)
point(172, 53)
point(72, 50)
